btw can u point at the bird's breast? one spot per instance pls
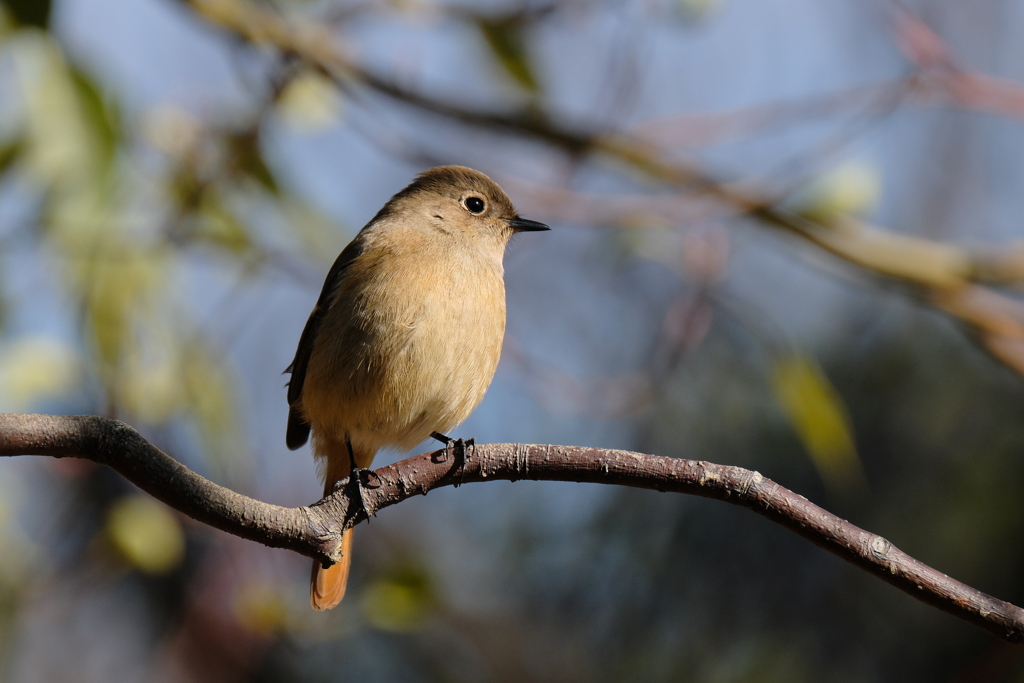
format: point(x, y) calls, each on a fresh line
point(408, 347)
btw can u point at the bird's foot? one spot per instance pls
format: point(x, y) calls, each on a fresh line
point(456, 450)
point(355, 479)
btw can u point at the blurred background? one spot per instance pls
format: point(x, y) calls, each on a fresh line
point(786, 236)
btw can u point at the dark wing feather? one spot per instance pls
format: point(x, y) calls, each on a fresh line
point(298, 428)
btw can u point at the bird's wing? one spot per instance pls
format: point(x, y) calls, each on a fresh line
point(298, 428)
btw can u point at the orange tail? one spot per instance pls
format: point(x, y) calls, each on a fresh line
point(327, 586)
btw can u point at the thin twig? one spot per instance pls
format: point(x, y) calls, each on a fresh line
point(943, 275)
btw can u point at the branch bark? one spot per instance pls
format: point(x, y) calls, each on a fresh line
point(315, 530)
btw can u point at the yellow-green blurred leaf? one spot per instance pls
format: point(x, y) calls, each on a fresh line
point(505, 36)
point(207, 387)
point(9, 155)
point(117, 287)
point(150, 390)
point(247, 158)
point(852, 189)
point(220, 225)
point(399, 601)
point(310, 102)
point(820, 419)
point(63, 151)
point(186, 191)
point(210, 399)
point(33, 369)
point(102, 118)
point(260, 607)
point(146, 534)
point(7, 25)
point(60, 148)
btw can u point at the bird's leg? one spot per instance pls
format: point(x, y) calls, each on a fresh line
point(450, 444)
point(457, 450)
point(356, 480)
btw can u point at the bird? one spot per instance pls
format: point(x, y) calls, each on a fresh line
point(405, 337)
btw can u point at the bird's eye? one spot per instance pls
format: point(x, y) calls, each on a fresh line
point(474, 205)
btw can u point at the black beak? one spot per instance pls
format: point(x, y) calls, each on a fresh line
point(523, 225)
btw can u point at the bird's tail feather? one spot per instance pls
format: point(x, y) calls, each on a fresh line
point(327, 586)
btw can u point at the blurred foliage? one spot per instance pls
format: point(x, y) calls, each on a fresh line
point(120, 260)
point(698, 10)
point(29, 12)
point(398, 600)
point(681, 589)
point(819, 418)
point(851, 189)
point(262, 608)
point(310, 102)
point(146, 533)
point(9, 153)
point(33, 369)
point(505, 37)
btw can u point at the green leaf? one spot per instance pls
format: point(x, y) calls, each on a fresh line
point(820, 419)
point(505, 37)
point(35, 368)
point(100, 115)
point(9, 154)
point(30, 12)
point(116, 286)
point(146, 533)
point(247, 158)
point(852, 189)
point(210, 398)
point(149, 378)
point(220, 226)
point(398, 600)
point(207, 388)
point(310, 102)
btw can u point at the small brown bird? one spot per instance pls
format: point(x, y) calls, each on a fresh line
point(405, 337)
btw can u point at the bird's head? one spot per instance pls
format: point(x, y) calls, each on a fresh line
point(462, 203)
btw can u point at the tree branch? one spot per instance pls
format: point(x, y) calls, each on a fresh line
point(316, 530)
point(946, 276)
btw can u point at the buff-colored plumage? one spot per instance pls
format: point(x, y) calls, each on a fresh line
point(407, 333)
